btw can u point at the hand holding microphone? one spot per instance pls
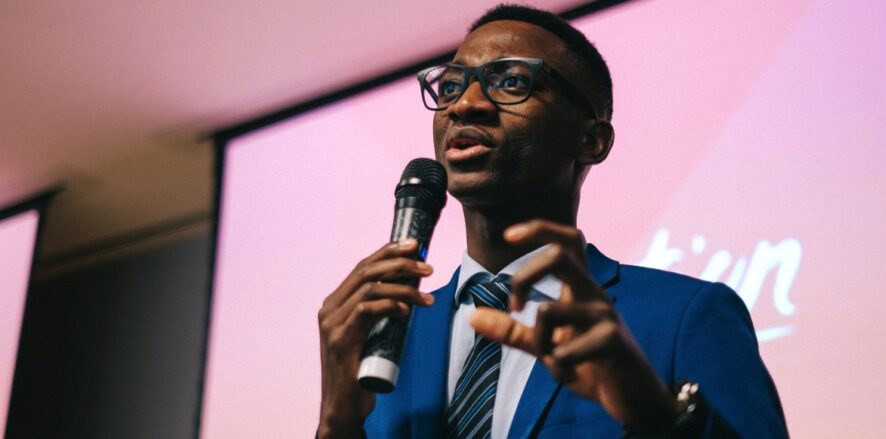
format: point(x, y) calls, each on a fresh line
point(421, 195)
point(367, 315)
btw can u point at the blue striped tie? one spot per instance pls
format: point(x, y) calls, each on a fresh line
point(470, 412)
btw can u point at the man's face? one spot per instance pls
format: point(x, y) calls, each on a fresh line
point(504, 153)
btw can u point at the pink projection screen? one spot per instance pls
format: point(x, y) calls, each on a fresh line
point(18, 234)
point(750, 146)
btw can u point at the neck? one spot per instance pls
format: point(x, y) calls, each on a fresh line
point(485, 226)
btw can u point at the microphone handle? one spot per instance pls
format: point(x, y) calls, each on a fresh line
point(379, 367)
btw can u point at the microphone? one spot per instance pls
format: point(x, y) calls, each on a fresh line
point(421, 195)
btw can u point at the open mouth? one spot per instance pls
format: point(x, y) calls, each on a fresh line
point(463, 143)
point(463, 149)
point(467, 145)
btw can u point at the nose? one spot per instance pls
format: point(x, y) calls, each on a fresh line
point(472, 105)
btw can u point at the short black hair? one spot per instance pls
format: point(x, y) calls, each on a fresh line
point(585, 55)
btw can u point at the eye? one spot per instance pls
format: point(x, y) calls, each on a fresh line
point(449, 87)
point(517, 84)
point(448, 90)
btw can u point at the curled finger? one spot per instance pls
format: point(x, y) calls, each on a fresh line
point(552, 315)
point(545, 232)
point(592, 344)
point(365, 314)
point(392, 269)
point(561, 263)
point(356, 277)
point(372, 291)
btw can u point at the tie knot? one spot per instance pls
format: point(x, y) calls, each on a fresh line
point(492, 294)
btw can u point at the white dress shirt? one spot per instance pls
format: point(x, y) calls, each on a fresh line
point(515, 364)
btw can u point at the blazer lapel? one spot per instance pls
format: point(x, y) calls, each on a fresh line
point(538, 395)
point(429, 342)
point(541, 388)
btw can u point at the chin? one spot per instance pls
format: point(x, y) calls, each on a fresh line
point(467, 182)
point(478, 192)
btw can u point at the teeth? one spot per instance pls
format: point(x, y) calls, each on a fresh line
point(464, 143)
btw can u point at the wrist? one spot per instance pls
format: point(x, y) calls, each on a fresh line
point(341, 429)
point(339, 424)
point(688, 402)
point(685, 406)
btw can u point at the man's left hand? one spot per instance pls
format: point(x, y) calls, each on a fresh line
point(581, 337)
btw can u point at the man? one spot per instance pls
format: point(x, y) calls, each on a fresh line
point(592, 348)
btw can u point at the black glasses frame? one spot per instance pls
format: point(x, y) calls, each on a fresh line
point(535, 65)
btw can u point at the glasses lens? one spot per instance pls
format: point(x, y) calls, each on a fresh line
point(442, 86)
point(508, 81)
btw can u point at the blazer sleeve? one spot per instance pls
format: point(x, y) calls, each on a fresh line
point(717, 348)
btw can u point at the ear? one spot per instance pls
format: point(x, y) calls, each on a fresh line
point(598, 139)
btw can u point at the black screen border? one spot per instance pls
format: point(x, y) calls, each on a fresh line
point(40, 203)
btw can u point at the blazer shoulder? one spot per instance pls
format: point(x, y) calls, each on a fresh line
point(652, 284)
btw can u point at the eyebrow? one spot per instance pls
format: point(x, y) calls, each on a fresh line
point(505, 55)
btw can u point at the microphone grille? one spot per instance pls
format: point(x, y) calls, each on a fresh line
point(424, 179)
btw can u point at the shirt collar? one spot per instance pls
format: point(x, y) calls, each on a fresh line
point(471, 270)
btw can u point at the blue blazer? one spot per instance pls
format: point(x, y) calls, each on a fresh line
point(688, 329)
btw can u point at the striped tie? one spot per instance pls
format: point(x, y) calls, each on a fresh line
point(470, 412)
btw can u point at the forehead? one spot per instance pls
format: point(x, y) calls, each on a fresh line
point(505, 38)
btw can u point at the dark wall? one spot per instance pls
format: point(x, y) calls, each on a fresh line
point(114, 349)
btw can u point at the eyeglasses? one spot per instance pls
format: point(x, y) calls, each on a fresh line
point(505, 81)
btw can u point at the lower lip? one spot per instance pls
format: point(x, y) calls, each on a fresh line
point(472, 152)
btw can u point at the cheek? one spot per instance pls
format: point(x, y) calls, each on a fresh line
point(439, 129)
point(535, 140)
point(560, 134)
point(545, 149)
